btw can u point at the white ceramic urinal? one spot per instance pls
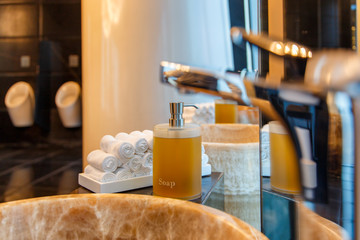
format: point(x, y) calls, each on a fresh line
point(20, 103)
point(68, 103)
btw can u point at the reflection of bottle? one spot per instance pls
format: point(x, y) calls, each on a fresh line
point(177, 157)
point(19, 186)
point(225, 111)
point(284, 167)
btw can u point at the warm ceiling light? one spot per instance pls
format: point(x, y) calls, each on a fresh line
point(294, 50)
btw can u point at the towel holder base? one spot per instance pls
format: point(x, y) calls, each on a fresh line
point(124, 185)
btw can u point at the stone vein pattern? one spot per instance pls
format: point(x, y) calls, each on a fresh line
point(230, 133)
point(239, 162)
point(315, 227)
point(118, 216)
point(234, 150)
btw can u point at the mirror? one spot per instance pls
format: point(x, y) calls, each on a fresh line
point(318, 25)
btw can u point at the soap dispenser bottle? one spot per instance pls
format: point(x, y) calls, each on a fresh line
point(177, 157)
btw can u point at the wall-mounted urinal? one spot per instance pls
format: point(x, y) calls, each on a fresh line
point(68, 103)
point(20, 103)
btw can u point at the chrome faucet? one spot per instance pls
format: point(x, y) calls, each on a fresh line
point(331, 87)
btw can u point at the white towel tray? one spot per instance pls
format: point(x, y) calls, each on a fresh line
point(116, 186)
point(124, 185)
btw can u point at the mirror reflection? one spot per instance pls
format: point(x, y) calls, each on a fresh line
point(312, 117)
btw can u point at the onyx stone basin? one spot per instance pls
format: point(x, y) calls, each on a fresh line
point(118, 216)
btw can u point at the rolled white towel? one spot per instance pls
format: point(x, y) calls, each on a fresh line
point(140, 144)
point(135, 133)
point(148, 159)
point(123, 173)
point(98, 175)
point(121, 135)
point(123, 150)
point(135, 163)
point(205, 114)
point(142, 171)
point(148, 132)
point(149, 138)
point(203, 110)
point(106, 142)
point(103, 161)
point(138, 134)
point(204, 159)
point(202, 149)
point(141, 154)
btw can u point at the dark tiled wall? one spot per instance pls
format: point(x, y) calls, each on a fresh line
point(48, 31)
point(237, 19)
point(318, 25)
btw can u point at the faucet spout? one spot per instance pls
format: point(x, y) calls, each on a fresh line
point(194, 79)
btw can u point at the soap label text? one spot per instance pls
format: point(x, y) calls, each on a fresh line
point(170, 184)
